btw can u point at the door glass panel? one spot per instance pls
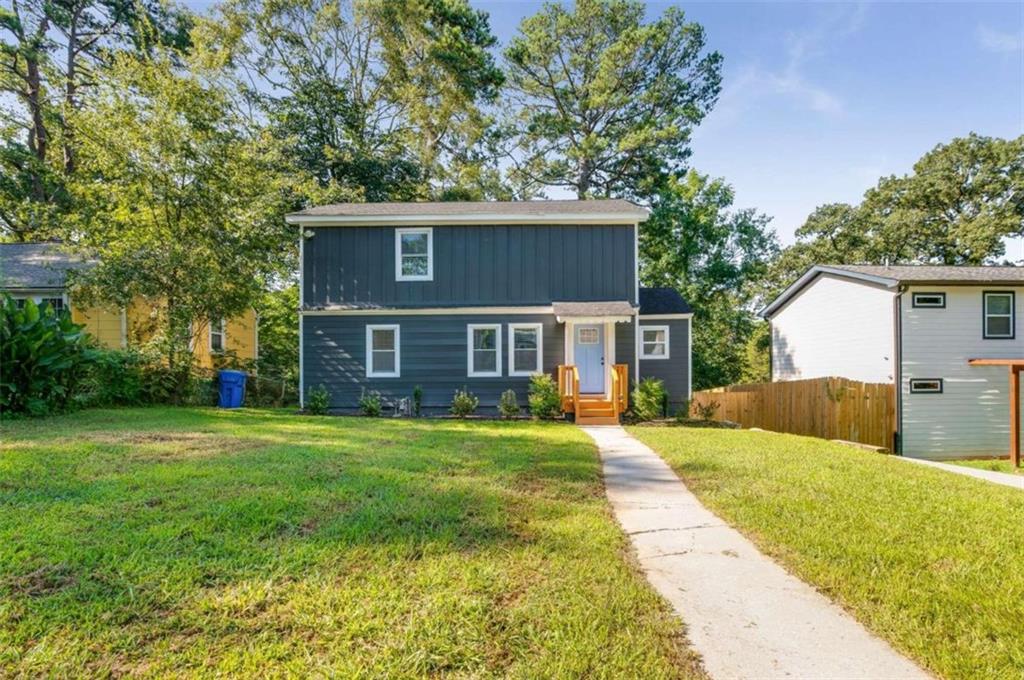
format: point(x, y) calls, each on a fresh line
point(588, 336)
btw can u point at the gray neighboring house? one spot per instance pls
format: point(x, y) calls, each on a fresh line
point(483, 295)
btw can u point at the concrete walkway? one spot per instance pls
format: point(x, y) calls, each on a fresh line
point(746, 616)
point(1004, 478)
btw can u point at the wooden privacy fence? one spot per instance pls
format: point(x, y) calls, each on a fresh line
point(830, 408)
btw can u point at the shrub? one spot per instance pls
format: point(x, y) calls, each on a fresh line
point(44, 357)
point(318, 400)
point(508, 405)
point(649, 398)
point(464, 403)
point(707, 410)
point(417, 400)
point(544, 400)
point(370, 403)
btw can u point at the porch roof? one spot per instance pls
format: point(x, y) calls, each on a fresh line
point(607, 310)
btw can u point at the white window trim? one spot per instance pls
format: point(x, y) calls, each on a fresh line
point(654, 357)
point(223, 332)
point(1012, 316)
point(512, 328)
point(429, 276)
point(370, 328)
point(496, 373)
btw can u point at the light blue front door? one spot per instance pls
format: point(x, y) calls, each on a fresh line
point(589, 357)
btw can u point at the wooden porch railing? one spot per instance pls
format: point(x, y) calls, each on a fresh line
point(569, 387)
point(620, 387)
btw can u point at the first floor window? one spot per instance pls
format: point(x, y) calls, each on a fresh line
point(217, 336)
point(383, 351)
point(654, 342)
point(526, 348)
point(926, 385)
point(414, 251)
point(999, 315)
point(484, 341)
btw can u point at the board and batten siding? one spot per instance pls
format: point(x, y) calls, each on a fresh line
point(971, 417)
point(473, 266)
point(434, 355)
point(835, 328)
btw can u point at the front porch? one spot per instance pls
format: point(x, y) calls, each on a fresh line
point(594, 409)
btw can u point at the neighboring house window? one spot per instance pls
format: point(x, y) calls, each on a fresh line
point(926, 385)
point(414, 254)
point(999, 315)
point(218, 336)
point(654, 342)
point(526, 351)
point(929, 300)
point(383, 351)
point(484, 344)
point(56, 303)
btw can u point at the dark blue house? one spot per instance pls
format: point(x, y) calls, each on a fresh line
point(484, 295)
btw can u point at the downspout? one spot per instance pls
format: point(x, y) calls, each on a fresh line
point(898, 368)
point(302, 306)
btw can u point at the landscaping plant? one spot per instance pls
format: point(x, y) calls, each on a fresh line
point(317, 401)
point(417, 401)
point(464, 403)
point(706, 410)
point(370, 403)
point(44, 358)
point(508, 405)
point(649, 398)
point(544, 400)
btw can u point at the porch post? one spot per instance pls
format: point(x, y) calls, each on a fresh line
point(1014, 416)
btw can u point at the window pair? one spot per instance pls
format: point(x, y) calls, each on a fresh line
point(526, 348)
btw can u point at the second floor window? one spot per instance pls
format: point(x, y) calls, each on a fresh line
point(217, 336)
point(999, 322)
point(414, 254)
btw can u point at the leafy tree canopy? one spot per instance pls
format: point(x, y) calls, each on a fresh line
point(603, 103)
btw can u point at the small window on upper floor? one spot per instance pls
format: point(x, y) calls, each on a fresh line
point(218, 336)
point(926, 385)
point(929, 300)
point(414, 254)
point(999, 320)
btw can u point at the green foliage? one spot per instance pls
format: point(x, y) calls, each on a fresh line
point(464, 403)
point(544, 400)
point(649, 399)
point(318, 400)
point(508, 404)
point(706, 410)
point(44, 358)
point(279, 342)
point(417, 401)
point(604, 102)
point(757, 365)
point(371, 404)
point(126, 378)
point(377, 100)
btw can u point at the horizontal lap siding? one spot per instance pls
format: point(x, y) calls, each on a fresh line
point(972, 415)
point(674, 371)
point(433, 356)
point(473, 265)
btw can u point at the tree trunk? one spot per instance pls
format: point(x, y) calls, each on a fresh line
point(70, 91)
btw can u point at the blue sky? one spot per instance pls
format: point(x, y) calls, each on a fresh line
point(819, 100)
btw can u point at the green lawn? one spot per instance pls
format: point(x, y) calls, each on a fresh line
point(198, 542)
point(932, 561)
point(995, 464)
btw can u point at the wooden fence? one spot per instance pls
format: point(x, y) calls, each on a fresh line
point(830, 408)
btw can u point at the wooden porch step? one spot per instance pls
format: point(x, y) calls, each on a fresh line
point(596, 420)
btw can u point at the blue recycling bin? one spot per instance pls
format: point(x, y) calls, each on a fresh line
point(232, 389)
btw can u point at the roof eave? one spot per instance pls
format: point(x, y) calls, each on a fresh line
point(428, 219)
point(813, 273)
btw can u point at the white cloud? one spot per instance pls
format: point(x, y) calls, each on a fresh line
point(1002, 42)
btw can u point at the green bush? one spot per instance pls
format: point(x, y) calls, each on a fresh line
point(649, 399)
point(706, 410)
point(508, 405)
point(44, 358)
point(318, 399)
point(464, 403)
point(545, 402)
point(417, 401)
point(370, 403)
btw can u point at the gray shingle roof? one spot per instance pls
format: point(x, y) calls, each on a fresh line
point(469, 208)
point(35, 265)
point(587, 309)
point(662, 301)
point(925, 273)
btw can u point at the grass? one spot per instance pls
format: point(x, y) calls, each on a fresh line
point(931, 561)
point(993, 464)
point(196, 542)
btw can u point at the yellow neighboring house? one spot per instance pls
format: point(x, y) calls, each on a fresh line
point(39, 271)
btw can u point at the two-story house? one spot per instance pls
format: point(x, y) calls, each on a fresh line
point(483, 295)
point(946, 337)
point(39, 271)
